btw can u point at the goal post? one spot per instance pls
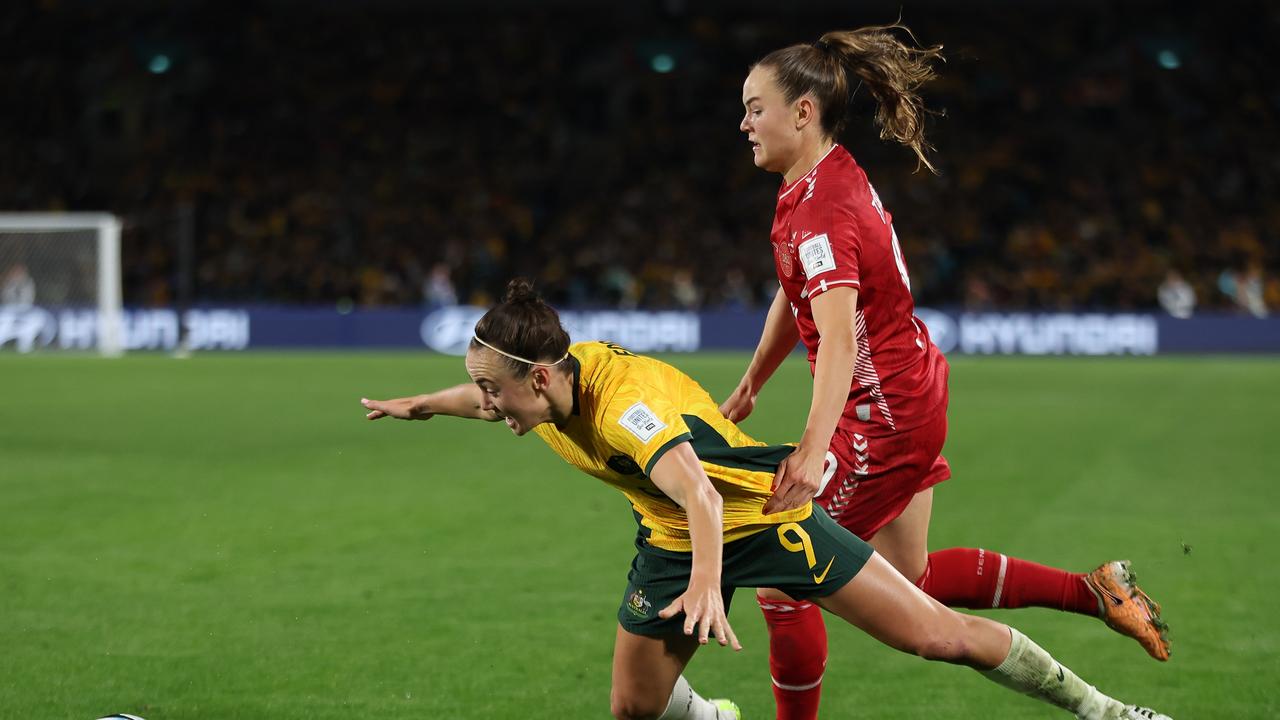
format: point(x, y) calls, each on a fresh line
point(55, 262)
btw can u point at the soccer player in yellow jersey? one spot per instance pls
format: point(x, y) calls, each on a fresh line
point(698, 486)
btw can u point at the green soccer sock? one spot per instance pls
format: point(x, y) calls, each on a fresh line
point(1032, 671)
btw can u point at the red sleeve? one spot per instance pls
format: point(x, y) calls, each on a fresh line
point(828, 246)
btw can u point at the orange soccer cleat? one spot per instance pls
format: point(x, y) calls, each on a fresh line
point(1128, 610)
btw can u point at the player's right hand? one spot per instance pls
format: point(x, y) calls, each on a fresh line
point(400, 409)
point(704, 614)
point(740, 404)
point(796, 481)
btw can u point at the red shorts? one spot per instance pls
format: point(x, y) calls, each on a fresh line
point(876, 477)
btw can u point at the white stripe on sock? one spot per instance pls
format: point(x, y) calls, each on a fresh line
point(1004, 562)
point(797, 688)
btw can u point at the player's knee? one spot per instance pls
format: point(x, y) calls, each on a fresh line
point(945, 640)
point(942, 647)
point(636, 706)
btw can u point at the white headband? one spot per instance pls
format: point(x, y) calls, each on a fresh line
point(517, 357)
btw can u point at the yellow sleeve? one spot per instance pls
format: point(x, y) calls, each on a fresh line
point(643, 422)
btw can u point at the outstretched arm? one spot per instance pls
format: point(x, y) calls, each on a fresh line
point(777, 340)
point(679, 474)
point(459, 401)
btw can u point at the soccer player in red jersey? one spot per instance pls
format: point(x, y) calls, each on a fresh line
point(871, 448)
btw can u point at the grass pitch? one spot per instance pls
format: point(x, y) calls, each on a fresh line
point(227, 537)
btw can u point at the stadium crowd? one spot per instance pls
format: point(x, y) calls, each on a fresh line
point(1091, 155)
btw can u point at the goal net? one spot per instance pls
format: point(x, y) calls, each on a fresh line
point(60, 282)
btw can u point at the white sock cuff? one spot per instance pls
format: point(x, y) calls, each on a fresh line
point(1018, 644)
point(681, 698)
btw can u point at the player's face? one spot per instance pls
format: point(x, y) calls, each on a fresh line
point(769, 122)
point(515, 400)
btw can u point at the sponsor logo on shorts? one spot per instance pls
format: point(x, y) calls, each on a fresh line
point(638, 604)
point(817, 579)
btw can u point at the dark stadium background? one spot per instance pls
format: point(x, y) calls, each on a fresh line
point(289, 152)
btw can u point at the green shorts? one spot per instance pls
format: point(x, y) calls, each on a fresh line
point(808, 559)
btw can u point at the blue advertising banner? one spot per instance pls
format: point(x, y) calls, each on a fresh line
point(447, 330)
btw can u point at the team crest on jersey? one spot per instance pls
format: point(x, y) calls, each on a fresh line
point(784, 260)
point(623, 465)
point(786, 255)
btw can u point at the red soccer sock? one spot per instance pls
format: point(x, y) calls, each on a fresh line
point(976, 579)
point(797, 656)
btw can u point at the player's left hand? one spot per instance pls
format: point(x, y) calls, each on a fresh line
point(796, 482)
point(703, 608)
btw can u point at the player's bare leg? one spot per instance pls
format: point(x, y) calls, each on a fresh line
point(904, 541)
point(648, 682)
point(979, 579)
point(882, 603)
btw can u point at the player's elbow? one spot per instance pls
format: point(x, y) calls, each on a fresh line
point(706, 497)
point(840, 342)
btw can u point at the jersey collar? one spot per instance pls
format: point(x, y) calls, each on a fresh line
point(786, 189)
point(577, 381)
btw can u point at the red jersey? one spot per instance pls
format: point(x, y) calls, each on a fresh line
point(830, 230)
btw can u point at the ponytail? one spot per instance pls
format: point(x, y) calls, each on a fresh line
point(833, 68)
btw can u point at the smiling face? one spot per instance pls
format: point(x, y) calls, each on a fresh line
point(771, 123)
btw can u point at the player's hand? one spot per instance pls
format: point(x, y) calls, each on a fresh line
point(740, 404)
point(797, 481)
point(400, 408)
point(703, 609)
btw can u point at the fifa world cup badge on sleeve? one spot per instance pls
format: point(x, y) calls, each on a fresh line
point(816, 255)
point(641, 421)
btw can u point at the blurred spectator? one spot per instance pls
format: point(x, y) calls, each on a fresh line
point(438, 290)
point(736, 293)
point(1176, 295)
point(686, 293)
point(18, 290)
point(1246, 289)
point(1085, 148)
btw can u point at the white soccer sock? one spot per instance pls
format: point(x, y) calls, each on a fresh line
point(1032, 671)
point(685, 704)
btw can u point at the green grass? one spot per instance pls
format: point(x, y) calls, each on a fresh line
point(226, 537)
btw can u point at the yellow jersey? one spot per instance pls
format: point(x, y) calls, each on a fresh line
point(629, 409)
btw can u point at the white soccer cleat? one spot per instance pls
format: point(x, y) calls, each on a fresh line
point(1133, 712)
point(728, 709)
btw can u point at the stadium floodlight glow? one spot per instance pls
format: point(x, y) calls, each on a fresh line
point(71, 262)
